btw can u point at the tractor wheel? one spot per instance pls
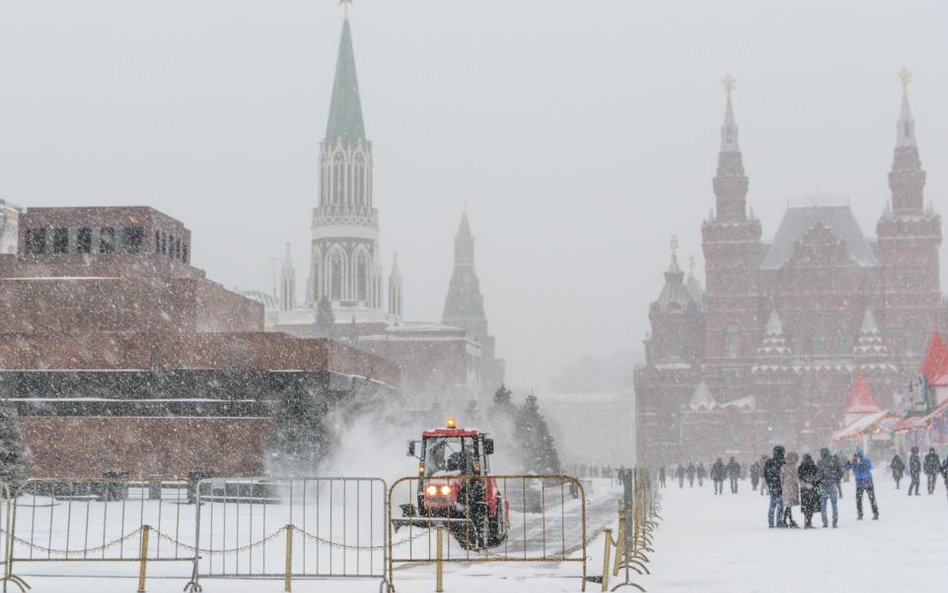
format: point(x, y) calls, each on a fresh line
point(465, 533)
point(497, 525)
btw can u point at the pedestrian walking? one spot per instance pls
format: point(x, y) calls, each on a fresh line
point(790, 485)
point(944, 472)
point(691, 475)
point(763, 481)
point(844, 474)
point(717, 476)
point(862, 471)
point(680, 474)
point(755, 475)
point(661, 477)
point(915, 471)
point(809, 477)
point(772, 469)
point(733, 472)
point(830, 474)
point(932, 467)
point(898, 469)
point(700, 472)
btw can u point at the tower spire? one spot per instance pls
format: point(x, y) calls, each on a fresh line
point(287, 282)
point(464, 305)
point(730, 184)
point(729, 141)
point(905, 128)
point(345, 111)
point(907, 178)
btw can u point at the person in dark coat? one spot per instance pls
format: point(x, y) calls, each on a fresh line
point(844, 474)
point(944, 471)
point(755, 475)
point(915, 471)
point(701, 473)
point(661, 477)
point(733, 472)
point(763, 483)
point(830, 474)
point(772, 479)
point(717, 476)
point(898, 469)
point(691, 475)
point(809, 477)
point(932, 467)
point(862, 471)
point(680, 474)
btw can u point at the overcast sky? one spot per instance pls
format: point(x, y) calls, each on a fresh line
point(583, 134)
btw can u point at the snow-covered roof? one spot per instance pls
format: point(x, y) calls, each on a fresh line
point(702, 398)
point(798, 220)
point(861, 425)
point(744, 403)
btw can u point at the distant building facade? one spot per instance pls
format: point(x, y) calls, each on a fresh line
point(770, 350)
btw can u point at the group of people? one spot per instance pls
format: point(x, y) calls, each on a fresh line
point(814, 486)
point(932, 466)
point(719, 473)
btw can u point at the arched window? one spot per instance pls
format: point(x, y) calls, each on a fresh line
point(336, 264)
point(732, 340)
point(358, 174)
point(362, 277)
point(338, 178)
point(316, 277)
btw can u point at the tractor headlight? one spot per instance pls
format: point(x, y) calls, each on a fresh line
point(431, 490)
point(445, 490)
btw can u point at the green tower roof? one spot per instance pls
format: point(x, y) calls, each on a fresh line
point(345, 111)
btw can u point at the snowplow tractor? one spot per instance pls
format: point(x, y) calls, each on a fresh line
point(456, 489)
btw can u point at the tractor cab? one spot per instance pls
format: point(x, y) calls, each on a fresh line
point(452, 451)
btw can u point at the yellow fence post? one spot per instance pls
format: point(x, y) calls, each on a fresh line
point(605, 560)
point(620, 544)
point(288, 579)
point(143, 558)
point(439, 567)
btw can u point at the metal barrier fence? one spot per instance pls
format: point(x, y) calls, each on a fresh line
point(289, 528)
point(504, 518)
point(94, 520)
point(638, 518)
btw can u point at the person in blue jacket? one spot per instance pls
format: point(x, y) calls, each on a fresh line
point(862, 471)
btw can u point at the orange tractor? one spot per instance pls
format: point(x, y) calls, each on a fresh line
point(455, 488)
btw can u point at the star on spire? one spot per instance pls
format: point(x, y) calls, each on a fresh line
point(728, 82)
point(905, 77)
point(345, 8)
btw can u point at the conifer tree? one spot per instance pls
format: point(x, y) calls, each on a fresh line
point(325, 319)
point(502, 396)
point(300, 438)
point(535, 443)
point(14, 453)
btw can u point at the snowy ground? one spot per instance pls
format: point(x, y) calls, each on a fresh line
point(707, 543)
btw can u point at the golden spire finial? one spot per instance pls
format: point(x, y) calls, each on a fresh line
point(345, 8)
point(465, 206)
point(729, 82)
point(674, 245)
point(905, 77)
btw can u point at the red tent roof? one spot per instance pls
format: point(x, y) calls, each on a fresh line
point(862, 400)
point(934, 357)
